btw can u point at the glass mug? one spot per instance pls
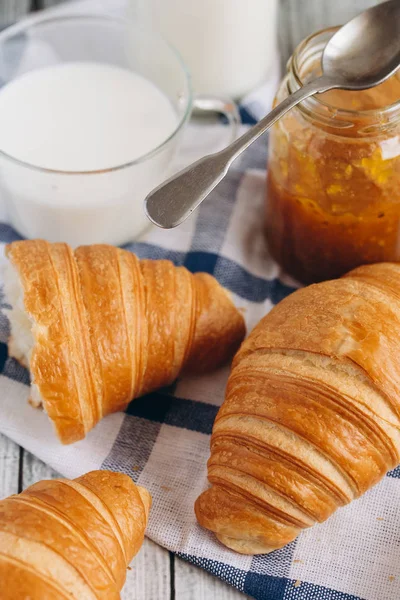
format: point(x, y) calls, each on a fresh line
point(99, 206)
point(229, 45)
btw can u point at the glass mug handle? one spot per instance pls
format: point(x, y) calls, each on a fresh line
point(224, 106)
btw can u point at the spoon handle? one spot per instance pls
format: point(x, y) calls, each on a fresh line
point(173, 201)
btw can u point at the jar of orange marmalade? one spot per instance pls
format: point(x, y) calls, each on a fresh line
point(333, 187)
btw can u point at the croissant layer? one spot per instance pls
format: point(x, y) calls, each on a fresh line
point(311, 417)
point(107, 327)
point(71, 539)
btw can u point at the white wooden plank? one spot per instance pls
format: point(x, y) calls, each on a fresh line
point(9, 467)
point(192, 583)
point(47, 3)
point(149, 576)
point(34, 470)
point(12, 10)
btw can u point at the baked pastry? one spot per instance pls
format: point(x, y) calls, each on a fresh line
point(98, 327)
point(311, 418)
point(74, 539)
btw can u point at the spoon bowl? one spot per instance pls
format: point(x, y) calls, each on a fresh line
point(365, 51)
point(361, 54)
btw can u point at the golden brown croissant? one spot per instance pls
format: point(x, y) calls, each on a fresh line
point(71, 539)
point(311, 417)
point(97, 327)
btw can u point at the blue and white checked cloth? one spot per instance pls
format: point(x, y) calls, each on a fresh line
point(162, 440)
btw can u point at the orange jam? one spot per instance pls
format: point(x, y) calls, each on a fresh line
point(333, 187)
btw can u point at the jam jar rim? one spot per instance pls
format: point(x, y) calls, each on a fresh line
point(311, 105)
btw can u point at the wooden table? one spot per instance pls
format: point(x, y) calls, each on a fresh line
point(158, 574)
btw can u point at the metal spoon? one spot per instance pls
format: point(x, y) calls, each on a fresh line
point(360, 55)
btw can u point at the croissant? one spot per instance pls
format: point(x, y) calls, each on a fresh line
point(97, 327)
point(311, 417)
point(64, 539)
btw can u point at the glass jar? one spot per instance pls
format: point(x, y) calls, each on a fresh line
point(333, 185)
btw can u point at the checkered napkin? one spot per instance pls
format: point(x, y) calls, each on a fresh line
point(162, 440)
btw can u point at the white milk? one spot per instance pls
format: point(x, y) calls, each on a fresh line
point(82, 117)
point(228, 45)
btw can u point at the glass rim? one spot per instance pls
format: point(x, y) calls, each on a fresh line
point(37, 20)
point(295, 66)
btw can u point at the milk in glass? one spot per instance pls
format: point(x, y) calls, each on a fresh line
point(64, 120)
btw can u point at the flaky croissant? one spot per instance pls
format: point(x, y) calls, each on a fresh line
point(97, 327)
point(311, 418)
point(64, 539)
